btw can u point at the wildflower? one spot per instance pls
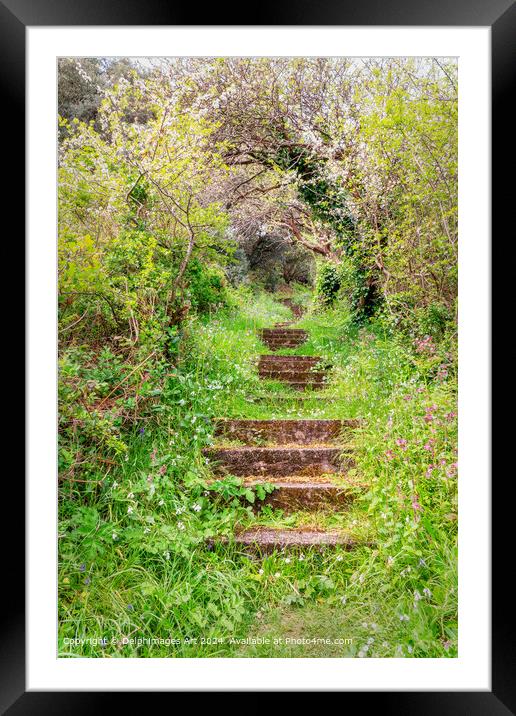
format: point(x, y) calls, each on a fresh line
point(364, 624)
point(196, 508)
point(180, 510)
point(146, 530)
point(402, 443)
point(361, 654)
point(114, 485)
point(161, 503)
point(130, 510)
point(429, 470)
point(166, 554)
point(415, 504)
point(410, 649)
point(130, 607)
point(339, 558)
point(427, 592)
point(180, 526)
point(130, 495)
point(114, 536)
point(287, 560)
point(260, 571)
point(417, 596)
point(390, 561)
point(389, 455)
point(422, 562)
point(404, 618)
point(82, 567)
point(343, 600)
point(142, 431)
point(301, 557)
point(277, 574)
point(370, 640)
point(373, 626)
point(87, 581)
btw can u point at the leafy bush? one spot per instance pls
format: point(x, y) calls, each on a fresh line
point(328, 282)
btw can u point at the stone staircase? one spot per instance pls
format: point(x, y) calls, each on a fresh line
point(303, 459)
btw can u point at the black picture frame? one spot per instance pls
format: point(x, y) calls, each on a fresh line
point(500, 16)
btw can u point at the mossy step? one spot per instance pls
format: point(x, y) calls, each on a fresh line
point(266, 539)
point(282, 331)
point(282, 432)
point(274, 461)
point(271, 359)
point(289, 375)
point(303, 494)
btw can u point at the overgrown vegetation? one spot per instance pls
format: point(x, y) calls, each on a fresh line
point(188, 192)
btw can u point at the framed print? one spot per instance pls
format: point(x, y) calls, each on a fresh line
point(258, 366)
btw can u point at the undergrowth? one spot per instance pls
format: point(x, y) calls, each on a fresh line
point(138, 558)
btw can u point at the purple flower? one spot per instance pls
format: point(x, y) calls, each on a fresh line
point(87, 581)
point(130, 607)
point(142, 431)
point(82, 567)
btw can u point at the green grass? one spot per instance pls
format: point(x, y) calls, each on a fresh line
point(134, 558)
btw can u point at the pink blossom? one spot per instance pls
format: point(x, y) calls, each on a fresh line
point(402, 443)
point(389, 455)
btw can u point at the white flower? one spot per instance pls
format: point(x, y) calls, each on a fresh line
point(410, 649)
point(180, 511)
point(373, 626)
point(130, 495)
point(114, 535)
point(287, 560)
point(364, 624)
point(180, 526)
point(361, 654)
point(196, 508)
point(277, 574)
point(301, 557)
point(161, 503)
point(403, 618)
point(146, 530)
point(390, 560)
point(166, 555)
point(339, 558)
point(343, 600)
point(115, 484)
point(130, 510)
point(417, 596)
point(260, 571)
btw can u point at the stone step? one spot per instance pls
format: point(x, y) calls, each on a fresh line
point(303, 494)
point(299, 376)
point(280, 345)
point(304, 385)
point(283, 332)
point(287, 361)
point(282, 432)
point(267, 539)
point(278, 461)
